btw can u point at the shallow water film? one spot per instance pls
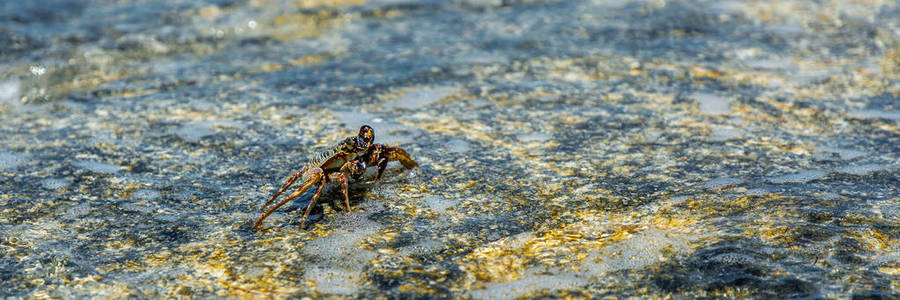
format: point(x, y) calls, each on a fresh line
point(567, 148)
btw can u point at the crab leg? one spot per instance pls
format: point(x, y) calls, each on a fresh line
point(382, 164)
point(312, 203)
point(342, 178)
point(394, 154)
point(314, 177)
point(284, 187)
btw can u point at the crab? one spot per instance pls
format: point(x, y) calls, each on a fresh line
point(348, 158)
point(334, 164)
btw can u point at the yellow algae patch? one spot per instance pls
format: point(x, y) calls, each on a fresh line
point(797, 120)
point(271, 67)
point(119, 244)
point(527, 147)
point(209, 12)
point(328, 3)
point(598, 242)
point(670, 223)
point(417, 287)
point(702, 72)
point(612, 97)
point(773, 234)
point(109, 290)
point(777, 12)
point(311, 59)
point(383, 237)
point(475, 130)
point(656, 98)
point(218, 266)
point(894, 270)
point(778, 145)
point(495, 264)
point(890, 64)
point(567, 119)
point(157, 259)
point(875, 241)
point(290, 27)
point(758, 78)
point(218, 269)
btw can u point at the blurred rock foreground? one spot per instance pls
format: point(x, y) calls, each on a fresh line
point(568, 148)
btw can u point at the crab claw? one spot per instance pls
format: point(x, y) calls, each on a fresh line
point(398, 154)
point(356, 169)
point(380, 155)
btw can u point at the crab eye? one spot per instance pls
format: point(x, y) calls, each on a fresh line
point(366, 133)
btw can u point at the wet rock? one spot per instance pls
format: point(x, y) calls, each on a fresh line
point(584, 149)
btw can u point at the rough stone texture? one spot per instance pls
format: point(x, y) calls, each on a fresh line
point(568, 148)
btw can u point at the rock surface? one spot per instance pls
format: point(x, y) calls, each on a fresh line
point(568, 148)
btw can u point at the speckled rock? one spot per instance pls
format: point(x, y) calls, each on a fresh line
point(567, 148)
